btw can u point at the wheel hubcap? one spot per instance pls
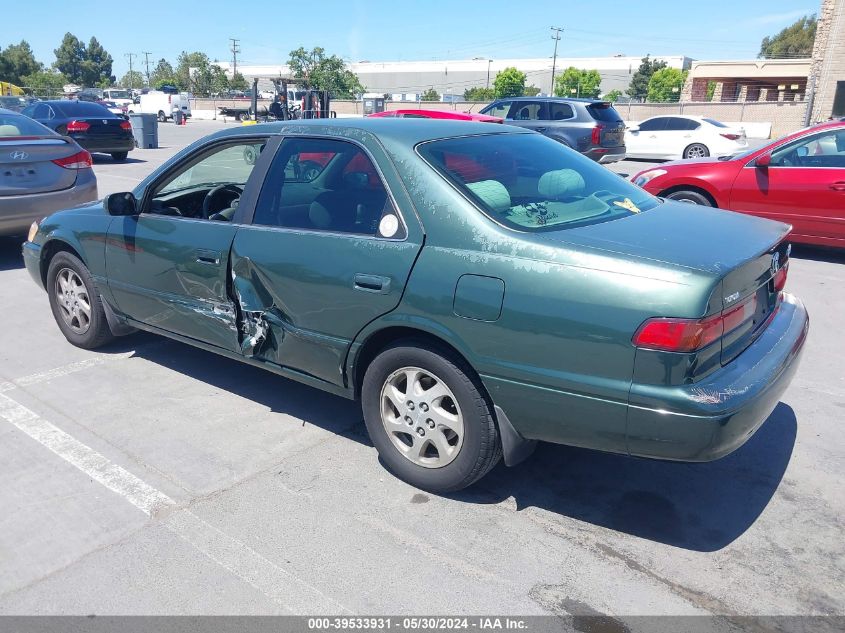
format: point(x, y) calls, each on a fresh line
point(73, 301)
point(421, 416)
point(696, 152)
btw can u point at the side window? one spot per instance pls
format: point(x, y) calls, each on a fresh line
point(691, 124)
point(527, 111)
point(675, 124)
point(210, 185)
point(826, 149)
point(346, 194)
point(499, 109)
point(41, 111)
point(656, 124)
point(560, 111)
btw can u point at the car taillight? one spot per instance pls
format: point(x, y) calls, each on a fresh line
point(77, 126)
point(731, 137)
point(689, 335)
point(596, 137)
point(125, 125)
point(80, 160)
point(169, 98)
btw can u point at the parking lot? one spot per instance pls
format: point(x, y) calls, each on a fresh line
point(156, 478)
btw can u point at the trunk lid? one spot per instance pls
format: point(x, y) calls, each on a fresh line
point(26, 165)
point(104, 127)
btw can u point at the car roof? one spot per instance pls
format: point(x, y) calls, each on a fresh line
point(567, 99)
point(404, 131)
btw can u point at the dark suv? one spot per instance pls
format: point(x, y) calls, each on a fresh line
point(590, 126)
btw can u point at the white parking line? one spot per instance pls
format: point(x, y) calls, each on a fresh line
point(57, 372)
point(290, 592)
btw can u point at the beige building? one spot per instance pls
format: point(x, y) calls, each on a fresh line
point(748, 80)
point(828, 71)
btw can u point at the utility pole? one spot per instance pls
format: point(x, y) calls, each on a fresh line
point(235, 50)
point(130, 56)
point(147, 63)
point(556, 38)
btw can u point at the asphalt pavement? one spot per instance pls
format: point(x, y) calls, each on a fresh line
point(154, 478)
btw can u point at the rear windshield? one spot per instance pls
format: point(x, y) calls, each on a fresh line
point(531, 183)
point(604, 112)
point(19, 125)
point(83, 108)
point(715, 122)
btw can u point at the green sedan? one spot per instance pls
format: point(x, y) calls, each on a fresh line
point(477, 290)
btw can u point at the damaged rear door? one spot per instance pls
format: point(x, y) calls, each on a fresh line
point(329, 249)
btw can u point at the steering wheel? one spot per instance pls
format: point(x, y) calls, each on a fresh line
point(210, 198)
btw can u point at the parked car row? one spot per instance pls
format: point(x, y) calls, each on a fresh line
point(478, 288)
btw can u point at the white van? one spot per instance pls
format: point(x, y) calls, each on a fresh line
point(162, 104)
point(120, 96)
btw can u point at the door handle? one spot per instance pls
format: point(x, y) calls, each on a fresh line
point(372, 283)
point(838, 186)
point(211, 258)
point(541, 129)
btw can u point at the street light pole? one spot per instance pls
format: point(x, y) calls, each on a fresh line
point(556, 38)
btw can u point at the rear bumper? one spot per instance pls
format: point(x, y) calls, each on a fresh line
point(17, 213)
point(605, 155)
point(107, 144)
point(712, 418)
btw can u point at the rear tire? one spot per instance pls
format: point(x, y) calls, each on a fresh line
point(692, 197)
point(119, 156)
point(76, 303)
point(162, 117)
point(438, 434)
point(696, 150)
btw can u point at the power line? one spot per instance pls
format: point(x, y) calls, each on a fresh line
point(556, 38)
point(131, 76)
point(235, 50)
point(147, 62)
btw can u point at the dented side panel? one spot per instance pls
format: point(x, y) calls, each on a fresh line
point(298, 298)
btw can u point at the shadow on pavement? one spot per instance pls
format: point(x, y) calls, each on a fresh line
point(10, 253)
point(694, 506)
point(105, 159)
point(818, 254)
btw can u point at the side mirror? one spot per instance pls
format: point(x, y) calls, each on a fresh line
point(121, 204)
point(763, 161)
point(634, 128)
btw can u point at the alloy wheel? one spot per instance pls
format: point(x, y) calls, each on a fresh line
point(422, 417)
point(73, 300)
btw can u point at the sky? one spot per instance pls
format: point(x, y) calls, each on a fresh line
point(378, 30)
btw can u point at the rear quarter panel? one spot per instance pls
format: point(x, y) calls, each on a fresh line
point(714, 178)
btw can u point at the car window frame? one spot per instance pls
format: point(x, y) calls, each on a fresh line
point(552, 104)
point(248, 197)
point(249, 221)
point(808, 138)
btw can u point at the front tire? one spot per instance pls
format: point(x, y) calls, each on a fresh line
point(428, 418)
point(696, 150)
point(162, 117)
point(692, 197)
point(119, 156)
point(76, 303)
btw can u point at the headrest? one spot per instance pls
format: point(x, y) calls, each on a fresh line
point(9, 130)
point(561, 182)
point(319, 215)
point(492, 193)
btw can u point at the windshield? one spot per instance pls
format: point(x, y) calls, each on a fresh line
point(529, 182)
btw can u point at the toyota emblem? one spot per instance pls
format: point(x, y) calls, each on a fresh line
point(775, 262)
point(19, 155)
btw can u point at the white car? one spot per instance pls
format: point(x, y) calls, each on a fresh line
point(679, 136)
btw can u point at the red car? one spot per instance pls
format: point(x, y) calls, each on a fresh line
point(798, 179)
point(439, 114)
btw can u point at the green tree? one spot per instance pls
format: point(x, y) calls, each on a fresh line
point(509, 82)
point(314, 69)
point(580, 83)
point(163, 74)
point(238, 82)
point(96, 65)
point(17, 61)
point(192, 71)
point(531, 91)
point(45, 83)
point(639, 82)
point(70, 55)
point(430, 95)
point(666, 84)
point(613, 95)
point(479, 94)
point(795, 40)
point(134, 79)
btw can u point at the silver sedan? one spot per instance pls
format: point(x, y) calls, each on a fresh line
point(40, 172)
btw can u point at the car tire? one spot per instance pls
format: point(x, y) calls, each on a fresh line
point(447, 412)
point(692, 197)
point(696, 150)
point(162, 117)
point(119, 156)
point(76, 303)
